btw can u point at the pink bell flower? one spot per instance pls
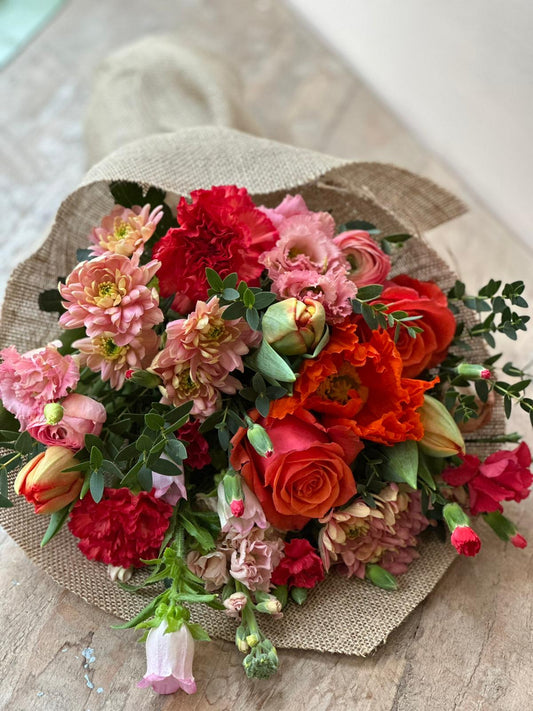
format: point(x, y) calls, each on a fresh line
point(169, 658)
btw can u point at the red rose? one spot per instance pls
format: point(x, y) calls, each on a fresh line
point(420, 298)
point(221, 228)
point(504, 476)
point(198, 455)
point(301, 567)
point(308, 472)
point(122, 528)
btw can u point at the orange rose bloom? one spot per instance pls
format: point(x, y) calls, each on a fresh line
point(308, 473)
point(359, 385)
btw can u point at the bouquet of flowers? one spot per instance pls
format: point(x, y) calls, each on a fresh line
point(244, 401)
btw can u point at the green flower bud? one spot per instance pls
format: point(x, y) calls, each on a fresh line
point(53, 413)
point(145, 378)
point(252, 640)
point(380, 577)
point(270, 606)
point(455, 516)
point(240, 640)
point(442, 437)
point(501, 525)
point(294, 327)
point(259, 439)
point(473, 372)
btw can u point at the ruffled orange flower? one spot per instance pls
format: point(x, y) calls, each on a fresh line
point(361, 385)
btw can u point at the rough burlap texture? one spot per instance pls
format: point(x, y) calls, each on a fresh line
point(347, 616)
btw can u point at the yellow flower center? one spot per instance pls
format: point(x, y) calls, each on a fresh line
point(107, 295)
point(183, 382)
point(215, 332)
point(122, 230)
point(108, 349)
point(357, 530)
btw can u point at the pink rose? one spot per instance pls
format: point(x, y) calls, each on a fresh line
point(368, 263)
point(254, 558)
point(81, 415)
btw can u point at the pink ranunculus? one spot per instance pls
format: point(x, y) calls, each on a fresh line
point(254, 558)
point(169, 658)
point(81, 415)
point(212, 568)
point(169, 488)
point(125, 231)
point(368, 262)
point(111, 294)
point(31, 380)
point(503, 476)
point(333, 289)
point(253, 514)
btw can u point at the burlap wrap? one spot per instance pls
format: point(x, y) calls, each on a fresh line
point(351, 617)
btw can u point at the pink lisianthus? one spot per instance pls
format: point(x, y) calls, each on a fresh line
point(368, 262)
point(205, 338)
point(110, 294)
point(290, 206)
point(254, 557)
point(252, 515)
point(81, 415)
point(503, 476)
point(169, 488)
point(333, 289)
point(31, 380)
point(125, 231)
point(212, 568)
point(169, 658)
point(101, 354)
point(358, 535)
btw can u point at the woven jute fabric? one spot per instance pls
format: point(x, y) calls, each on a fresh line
point(359, 616)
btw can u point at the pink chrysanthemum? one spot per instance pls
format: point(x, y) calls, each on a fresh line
point(102, 355)
point(205, 338)
point(30, 380)
point(125, 231)
point(333, 289)
point(110, 294)
point(358, 535)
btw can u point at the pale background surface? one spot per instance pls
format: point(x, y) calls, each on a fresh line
point(460, 74)
point(468, 647)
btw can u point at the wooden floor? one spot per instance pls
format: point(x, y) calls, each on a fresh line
point(469, 646)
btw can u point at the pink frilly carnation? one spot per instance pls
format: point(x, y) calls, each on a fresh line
point(198, 455)
point(169, 659)
point(254, 557)
point(253, 514)
point(31, 380)
point(169, 488)
point(211, 567)
point(81, 415)
point(110, 294)
point(125, 231)
point(358, 535)
point(102, 354)
point(368, 262)
point(333, 289)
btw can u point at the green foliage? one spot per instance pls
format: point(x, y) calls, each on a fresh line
point(376, 314)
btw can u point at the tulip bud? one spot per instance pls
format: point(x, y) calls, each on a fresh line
point(44, 484)
point(473, 372)
point(259, 439)
point(463, 538)
point(442, 437)
point(294, 327)
point(53, 413)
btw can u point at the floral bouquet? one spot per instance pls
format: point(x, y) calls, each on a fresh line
point(244, 402)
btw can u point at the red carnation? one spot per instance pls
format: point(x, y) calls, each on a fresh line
point(198, 455)
point(465, 541)
point(503, 476)
point(221, 228)
point(301, 567)
point(122, 528)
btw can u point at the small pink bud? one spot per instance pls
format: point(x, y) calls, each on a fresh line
point(518, 541)
point(486, 374)
point(129, 373)
point(237, 507)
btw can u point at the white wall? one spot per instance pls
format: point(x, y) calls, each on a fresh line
point(460, 75)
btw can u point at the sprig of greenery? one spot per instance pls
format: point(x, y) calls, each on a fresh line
point(242, 301)
point(376, 315)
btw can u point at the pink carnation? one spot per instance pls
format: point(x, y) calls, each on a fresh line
point(102, 355)
point(254, 557)
point(368, 262)
point(125, 231)
point(110, 294)
point(358, 535)
point(31, 380)
point(333, 289)
point(81, 415)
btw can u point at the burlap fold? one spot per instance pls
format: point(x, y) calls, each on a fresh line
point(359, 616)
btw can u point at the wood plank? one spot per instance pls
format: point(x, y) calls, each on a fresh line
point(468, 647)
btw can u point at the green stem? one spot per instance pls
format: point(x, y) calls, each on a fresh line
point(497, 439)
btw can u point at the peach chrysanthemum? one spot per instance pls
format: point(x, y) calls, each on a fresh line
point(125, 231)
point(110, 294)
point(101, 354)
point(358, 535)
point(205, 338)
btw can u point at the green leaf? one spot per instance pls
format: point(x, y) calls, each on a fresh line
point(299, 595)
point(402, 463)
point(24, 443)
point(163, 466)
point(176, 450)
point(50, 301)
point(262, 404)
point(234, 311)
point(144, 443)
point(197, 632)
point(144, 477)
point(264, 299)
point(358, 225)
point(96, 458)
point(230, 294)
point(144, 614)
point(370, 292)
point(154, 421)
point(381, 577)
point(248, 298)
point(273, 365)
point(97, 486)
point(93, 441)
point(213, 279)
point(126, 193)
point(57, 520)
point(230, 282)
point(111, 468)
point(252, 317)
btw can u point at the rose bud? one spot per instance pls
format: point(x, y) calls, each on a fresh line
point(294, 327)
point(442, 437)
point(463, 538)
point(44, 484)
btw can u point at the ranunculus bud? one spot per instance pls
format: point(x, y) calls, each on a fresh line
point(442, 437)
point(44, 484)
point(294, 327)
point(473, 372)
point(53, 413)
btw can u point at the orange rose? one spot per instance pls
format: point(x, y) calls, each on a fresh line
point(308, 473)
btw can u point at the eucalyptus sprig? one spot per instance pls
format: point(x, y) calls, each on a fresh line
point(242, 301)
